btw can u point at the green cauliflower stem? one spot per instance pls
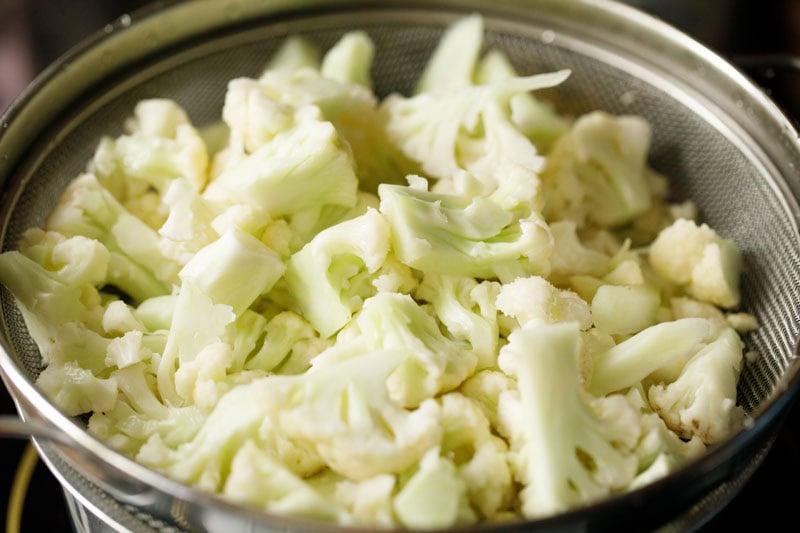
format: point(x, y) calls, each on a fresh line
point(295, 53)
point(564, 454)
point(634, 359)
point(47, 303)
point(435, 496)
point(350, 59)
point(213, 293)
point(452, 64)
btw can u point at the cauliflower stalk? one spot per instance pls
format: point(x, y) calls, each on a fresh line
point(566, 451)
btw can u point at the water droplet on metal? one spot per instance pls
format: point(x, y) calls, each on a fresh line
point(628, 98)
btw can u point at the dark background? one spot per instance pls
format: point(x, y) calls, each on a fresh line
point(33, 33)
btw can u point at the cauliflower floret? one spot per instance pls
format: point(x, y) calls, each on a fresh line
point(344, 413)
point(597, 172)
point(162, 145)
point(258, 479)
point(535, 299)
point(464, 235)
point(567, 449)
point(369, 501)
point(435, 496)
point(623, 310)
point(702, 401)
point(480, 457)
point(570, 256)
point(697, 258)
point(467, 309)
point(77, 391)
point(350, 59)
point(321, 275)
point(485, 388)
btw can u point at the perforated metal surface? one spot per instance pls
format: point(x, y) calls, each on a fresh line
point(707, 158)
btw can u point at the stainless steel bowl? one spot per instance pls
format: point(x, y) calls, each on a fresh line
point(716, 135)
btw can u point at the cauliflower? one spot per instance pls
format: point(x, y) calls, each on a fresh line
point(570, 256)
point(369, 501)
point(162, 145)
point(51, 295)
point(432, 362)
point(344, 413)
point(258, 479)
point(423, 311)
point(702, 400)
point(76, 390)
point(350, 59)
point(596, 172)
point(452, 64)
point(485, 389)
point(696, 258)
point(623, 310)
point(322, 276)
point(480, 457)
point(536, 119)
point(136, 265)
point(434, 496)
point(534, 299)
point(467, 309)
point(455, 235)
point(434, 128)
point(566, 452)
point(632, 360)
point(301, 167)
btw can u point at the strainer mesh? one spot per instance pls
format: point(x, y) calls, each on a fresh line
point(734, 195)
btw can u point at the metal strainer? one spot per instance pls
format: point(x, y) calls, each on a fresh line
point(720, 140)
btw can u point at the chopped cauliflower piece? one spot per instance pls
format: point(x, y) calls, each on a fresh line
point(696, 257)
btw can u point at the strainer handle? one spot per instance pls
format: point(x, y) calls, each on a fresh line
point(13, 427)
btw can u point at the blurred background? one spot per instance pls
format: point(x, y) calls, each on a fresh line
point(33, 33)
